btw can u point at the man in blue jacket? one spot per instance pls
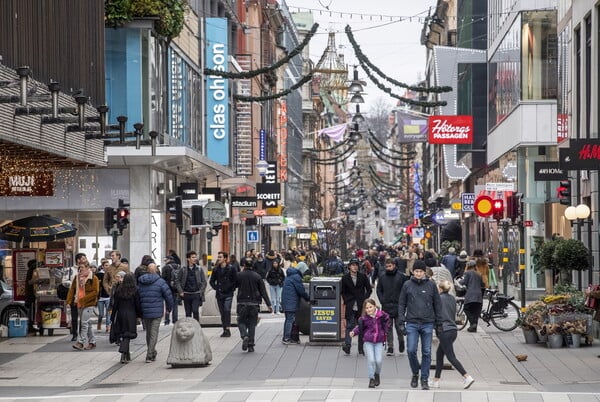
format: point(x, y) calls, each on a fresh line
point(419, 312)
point(293, 290)
point(154, 294)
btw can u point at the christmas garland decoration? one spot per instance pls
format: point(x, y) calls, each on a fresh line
point(316, 150)
point(373, 176)
point(380, 152)
point(400, 98)
point(272, 67)
point(364, 59)
point(392, 151)
point(297, 85)
point(342, 180)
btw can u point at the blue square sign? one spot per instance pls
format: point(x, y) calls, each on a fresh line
point(252, 236)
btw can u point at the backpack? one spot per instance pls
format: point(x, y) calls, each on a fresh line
point(333, 266)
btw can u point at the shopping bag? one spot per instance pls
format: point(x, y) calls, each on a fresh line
point(592, 302)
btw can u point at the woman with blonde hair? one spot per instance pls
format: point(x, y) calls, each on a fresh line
point(447, 336)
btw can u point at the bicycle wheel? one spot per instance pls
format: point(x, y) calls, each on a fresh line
point(461, 317)
point(504, 315)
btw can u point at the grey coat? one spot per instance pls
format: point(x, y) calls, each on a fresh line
point(473, 282)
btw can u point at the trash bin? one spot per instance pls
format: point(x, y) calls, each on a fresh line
point(325, 311)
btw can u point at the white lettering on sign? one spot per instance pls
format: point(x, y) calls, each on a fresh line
point(21, 183)
point(551, 171)
point(269, 196)
point(217, 90)
point(442, 129)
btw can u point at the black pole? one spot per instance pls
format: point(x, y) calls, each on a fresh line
point(188, 241)
point(590, 255)
point(115, 236)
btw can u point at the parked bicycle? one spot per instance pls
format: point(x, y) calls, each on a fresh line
point(501, 311)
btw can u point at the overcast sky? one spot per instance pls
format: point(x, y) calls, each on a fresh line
point(393, 46)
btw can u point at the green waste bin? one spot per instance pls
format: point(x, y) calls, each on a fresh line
point(325, 309)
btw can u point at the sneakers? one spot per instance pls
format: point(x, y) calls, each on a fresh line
point(377, 380)
point(250, 348)
point(286, 341)
point(74, 338)
point(346, 349)
point(371, 383)
point(78, 346)
point(390, 352)
point(468, 381)
point(245, 343)
point(424, 385)
point(90, 346)
point(472, 329)
point(226, 333)
point(434, 383)
point(414, 382)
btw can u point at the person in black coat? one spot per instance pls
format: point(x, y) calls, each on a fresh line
point(388, 292)
point(125, 312)
point(356, 288)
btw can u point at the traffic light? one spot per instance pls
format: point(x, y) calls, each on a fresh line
point(122, 216)
point(175, 208)
point(109, 218)
point(564, 192)
point(197, 218)
point(498, 209)
point(514, 207)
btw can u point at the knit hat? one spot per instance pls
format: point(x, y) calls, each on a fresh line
point(360, 253)
point(419, 264)
point(302, 267)
point(463, 255)
point(451, 250)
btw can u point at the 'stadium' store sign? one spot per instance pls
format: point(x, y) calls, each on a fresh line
point(217, 89)
point(244, 202)
point(451, 129)
point(26, 184)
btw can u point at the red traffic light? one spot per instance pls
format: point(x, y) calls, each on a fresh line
point(498, 209)
point(123, 213)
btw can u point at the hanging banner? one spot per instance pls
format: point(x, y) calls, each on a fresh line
point(217, 92)
point(451, 129)
point(411, 128)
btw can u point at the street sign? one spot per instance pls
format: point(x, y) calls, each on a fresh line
point(483, 206)
point(528, 224)
point(252, 236)
point(467, 201)
point(214, 213)
point(499, 186)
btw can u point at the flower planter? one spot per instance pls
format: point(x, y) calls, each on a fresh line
point(542, 338)
point(530, 335)
point(573, 340)
point(555, 341)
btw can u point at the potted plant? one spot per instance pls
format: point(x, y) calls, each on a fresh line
point(532, 320)
point(555, 335)
point(545, 264)
point(573, 330)
point(570, 255)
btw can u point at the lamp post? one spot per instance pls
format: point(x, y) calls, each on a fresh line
point(580, 215)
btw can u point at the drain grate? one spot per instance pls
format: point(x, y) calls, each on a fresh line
point(113, 385)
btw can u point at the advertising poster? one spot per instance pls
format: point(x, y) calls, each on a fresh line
point(20, 259)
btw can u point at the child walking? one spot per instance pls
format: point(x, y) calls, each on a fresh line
point(373, 326)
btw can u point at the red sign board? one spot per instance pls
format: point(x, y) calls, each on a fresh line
point(528, 224)
point(451, 129)
point(483, 206)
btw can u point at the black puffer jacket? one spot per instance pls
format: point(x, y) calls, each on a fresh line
point(419, 302)
point(389, 287)
point(275, 277)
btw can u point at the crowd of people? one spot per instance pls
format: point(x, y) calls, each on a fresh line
point(415, 289)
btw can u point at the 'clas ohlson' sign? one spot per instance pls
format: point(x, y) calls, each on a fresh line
point(217, 88)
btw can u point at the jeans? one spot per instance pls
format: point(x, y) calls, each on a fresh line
point(152, 325)
point(424, 331)
point(290, 317)
point(103, 309)
point(224, 303)
point(350, 324)
point(173, 314)
point(276, 297)
point(446, 347)
point(86, 329)
point(394, 324)
point(247, 318)
point(374, 355)
point(191, 304)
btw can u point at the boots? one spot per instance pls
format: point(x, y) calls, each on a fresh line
point(124, 359)
point(99, 325)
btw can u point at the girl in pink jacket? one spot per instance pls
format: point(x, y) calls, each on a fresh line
point(373, 325)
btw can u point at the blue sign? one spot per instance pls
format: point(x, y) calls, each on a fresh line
point(262, 145)
point(217, 90)
point(467, 202)
point(252, 236)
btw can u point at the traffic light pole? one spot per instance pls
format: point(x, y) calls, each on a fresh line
point(115, 236)
point(522, 263)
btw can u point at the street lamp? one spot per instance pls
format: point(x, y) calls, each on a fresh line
point(580, 215)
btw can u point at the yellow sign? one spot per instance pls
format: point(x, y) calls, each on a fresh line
point(456, 206)
point(275, 211)
point(314, 236)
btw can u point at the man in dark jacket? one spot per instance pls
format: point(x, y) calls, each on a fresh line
point(389, 287)
point(260, 266)
point(251, 291)
point(223, 281)
point(356, 288)
point(154, 294)
point(293, 290)
point(191, 286)
point(419, 312)
point(170, 273)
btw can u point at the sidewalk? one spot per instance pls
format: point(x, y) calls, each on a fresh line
point(36, 366)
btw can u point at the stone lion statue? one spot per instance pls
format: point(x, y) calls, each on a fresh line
point(189, 345)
